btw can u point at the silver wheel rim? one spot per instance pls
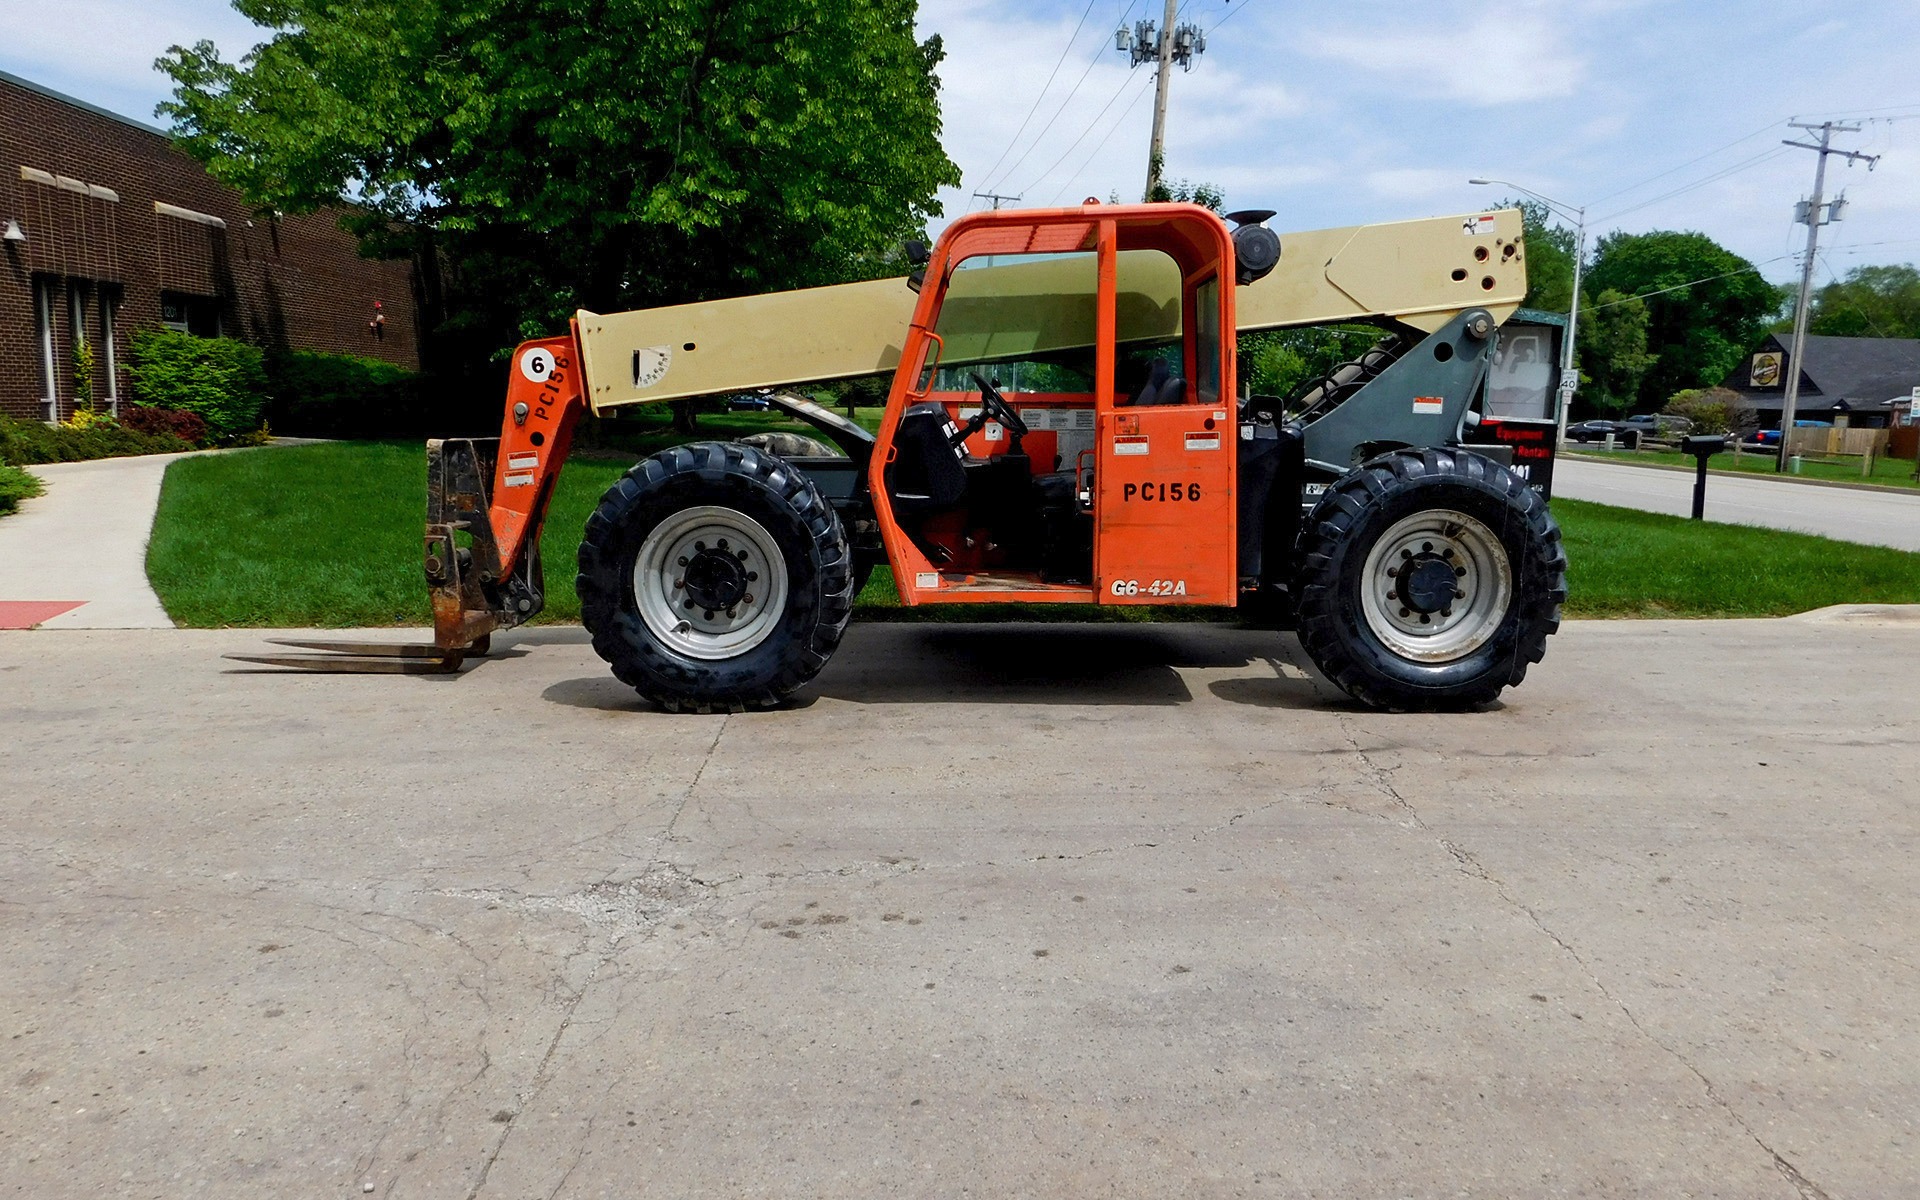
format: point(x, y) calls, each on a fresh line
point(669, 607)
point(1398, 583)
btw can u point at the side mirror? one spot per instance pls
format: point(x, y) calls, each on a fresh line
point(918, 255)
point(1256, 249)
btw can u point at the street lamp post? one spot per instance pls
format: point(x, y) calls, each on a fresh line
point(1569, 378)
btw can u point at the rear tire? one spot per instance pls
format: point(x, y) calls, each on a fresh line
point(714, 577)
point(1429, 579)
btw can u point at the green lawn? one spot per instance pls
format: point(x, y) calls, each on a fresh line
point(1895, 472)
point(329, 535)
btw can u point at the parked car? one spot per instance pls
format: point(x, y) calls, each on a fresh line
point(1657, 425)
point(748, 402)
point(1592, 431)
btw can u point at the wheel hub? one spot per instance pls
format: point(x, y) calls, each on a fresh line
point(1437, 585)
point(716, 576)
point(710, 582)
point(1426, 585)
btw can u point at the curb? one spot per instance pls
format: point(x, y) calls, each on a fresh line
point(1804, 482)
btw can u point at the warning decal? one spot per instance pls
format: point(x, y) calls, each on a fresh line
point(1480, 226)
point(1129, 445)
point(1203, 441)
point(1429, 406)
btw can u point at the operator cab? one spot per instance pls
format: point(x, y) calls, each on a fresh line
point(1053, 431)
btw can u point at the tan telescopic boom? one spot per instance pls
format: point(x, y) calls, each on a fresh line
point(1421, 273)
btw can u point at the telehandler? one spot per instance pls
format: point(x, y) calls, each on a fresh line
point(1064, 426)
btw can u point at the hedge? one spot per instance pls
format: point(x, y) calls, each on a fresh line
point(221, 380)
point(15, 485)
point(36, 442)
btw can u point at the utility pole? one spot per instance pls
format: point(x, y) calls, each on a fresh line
point(1169, 44)
point(996, 198)
point(1810, 212)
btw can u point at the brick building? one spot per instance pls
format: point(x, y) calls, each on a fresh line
point(106, 229)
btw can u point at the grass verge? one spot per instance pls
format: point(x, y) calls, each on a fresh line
point(329, 536)
point(1887, 472)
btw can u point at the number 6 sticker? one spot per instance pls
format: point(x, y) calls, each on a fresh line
point(537, 364)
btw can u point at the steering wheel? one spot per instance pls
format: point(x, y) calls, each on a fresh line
point(993, 407)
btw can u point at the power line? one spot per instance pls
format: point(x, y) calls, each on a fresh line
point(1105, 138)
point(1042, 135)
point(1716, 177)
point(1124, 85)
point(1064, 51)
point(1634, 187)
point(1752, 269)
point(1231, 13)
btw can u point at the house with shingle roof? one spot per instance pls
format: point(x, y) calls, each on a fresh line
point(1843, 380)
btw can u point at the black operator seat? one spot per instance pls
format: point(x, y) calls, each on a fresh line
point(1160, 387)
point(928, 473)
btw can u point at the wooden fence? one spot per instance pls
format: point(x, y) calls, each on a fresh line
point(1834, 440)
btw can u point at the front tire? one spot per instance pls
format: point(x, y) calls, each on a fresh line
point(1429, 579)
point(714, 577)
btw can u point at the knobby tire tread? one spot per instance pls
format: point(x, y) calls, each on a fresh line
point(788, 505)
point(1362, 502)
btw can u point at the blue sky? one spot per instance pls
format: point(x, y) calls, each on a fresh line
point(1654, 115)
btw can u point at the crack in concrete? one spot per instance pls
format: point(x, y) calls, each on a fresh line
point(1473, 867)
point(541, 1074)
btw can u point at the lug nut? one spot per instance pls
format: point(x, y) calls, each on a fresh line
point(1406, 612)
point(688, 604)
point(1460, 572)
point(1448, 552)
point(1446, 612)
point(1458, 594)
point(753, 577)
point(731, 614)
point(1406, 554)
point(742, 556)
point(678, 584)
point(1426, 547)
point(699, 545)
point(1425, 619)
point(709, 613)
point(747, 599)
point(1393, 572)
point(683, 560)
point(723, 543)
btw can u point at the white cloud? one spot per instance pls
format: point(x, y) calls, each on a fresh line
point(1502, 54)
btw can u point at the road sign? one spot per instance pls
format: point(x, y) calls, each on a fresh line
point(1570, 379)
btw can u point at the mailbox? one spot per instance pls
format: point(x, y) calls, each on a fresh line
point(1702, 446)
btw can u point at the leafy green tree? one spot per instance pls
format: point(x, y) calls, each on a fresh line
point(1277, 362)
point(1869, 302)
point(1549, 259)
point(1612, 349)
point(1706, 306)
point(610, 155)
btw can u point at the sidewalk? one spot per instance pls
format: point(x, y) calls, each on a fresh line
point(76, 558)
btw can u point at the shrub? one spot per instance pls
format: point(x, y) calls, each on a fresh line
point(1712, 410)
point(338, 395)
point(35, 442)
point(150, 419)
point(222, 380)
point(16, 485)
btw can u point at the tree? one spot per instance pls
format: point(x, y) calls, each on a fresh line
point(1277, 362)
point(1612, 348)
point(606, 156)
point(1869, 302)
point(1712, 410)
point(1706, 306)
point(1549, 260)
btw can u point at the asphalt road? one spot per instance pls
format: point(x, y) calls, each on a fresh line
point(1000, 912)
point(1850, 514)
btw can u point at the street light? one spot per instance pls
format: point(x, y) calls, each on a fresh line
point(1569, 379)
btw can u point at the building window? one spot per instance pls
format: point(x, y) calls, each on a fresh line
point(43, 335)
point(197, 315)
point(106, 381)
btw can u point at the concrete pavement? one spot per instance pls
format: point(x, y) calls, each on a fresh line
point(1001, 911)
point(1877, 518)
point(85, 543)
